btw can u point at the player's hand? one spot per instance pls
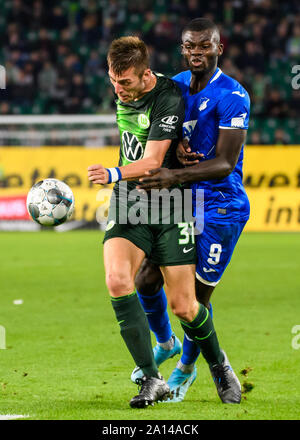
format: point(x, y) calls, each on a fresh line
point(98, 174)
point(157, 178)
point(185, 155)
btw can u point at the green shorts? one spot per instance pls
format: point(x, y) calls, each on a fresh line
point(171, 244)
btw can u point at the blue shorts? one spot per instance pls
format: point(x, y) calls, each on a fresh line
point(214, 247)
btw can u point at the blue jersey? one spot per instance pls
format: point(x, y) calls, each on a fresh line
point(222, 104)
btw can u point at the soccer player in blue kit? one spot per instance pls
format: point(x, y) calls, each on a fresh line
point(216, 121)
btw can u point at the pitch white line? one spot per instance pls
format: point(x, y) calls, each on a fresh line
point(12, 416)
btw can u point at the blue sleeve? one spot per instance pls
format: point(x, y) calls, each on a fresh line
point(234, 109)
point(179, 77)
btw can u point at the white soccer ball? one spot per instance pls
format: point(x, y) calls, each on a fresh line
point(50, 202)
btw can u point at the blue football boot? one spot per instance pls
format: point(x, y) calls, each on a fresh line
point(179, 384)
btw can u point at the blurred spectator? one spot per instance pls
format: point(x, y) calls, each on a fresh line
point(55, 52)
point(254, 138)
point(47, 78)
point(19, 13)
point(94, 64)
point(70, 64)
point(90, 30)
point(59, 19)
point(38, 17)
point(281, 137)
point(78, 93)
point(78, 88)
point(59, 94)
point(44, 44)
point(5, 108)
point(23, 89)
point(252, 59)
point(293, 44)
point(275, 105)
point(294, 104)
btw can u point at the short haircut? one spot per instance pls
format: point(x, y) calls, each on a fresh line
point(126, 52)
point(199, 25)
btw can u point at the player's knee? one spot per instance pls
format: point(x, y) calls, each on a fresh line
point(183, 310)
point(119, 283)
point(148, 280)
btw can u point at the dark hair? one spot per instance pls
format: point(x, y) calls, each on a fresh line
point(126, 52)
point(199, 25)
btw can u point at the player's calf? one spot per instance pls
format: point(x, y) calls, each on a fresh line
point(201, 330)
point(148, 280)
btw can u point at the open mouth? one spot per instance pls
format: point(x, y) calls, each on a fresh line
point(196, 62)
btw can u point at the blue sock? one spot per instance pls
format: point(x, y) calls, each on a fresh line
point(190, 350)
point(155, 307)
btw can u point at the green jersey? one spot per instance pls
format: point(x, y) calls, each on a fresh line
point(158, 115)
point(150, 223)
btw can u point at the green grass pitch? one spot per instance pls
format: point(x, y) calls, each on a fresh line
point(65, 359)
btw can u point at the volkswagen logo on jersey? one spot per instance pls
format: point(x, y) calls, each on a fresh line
point(132, 147)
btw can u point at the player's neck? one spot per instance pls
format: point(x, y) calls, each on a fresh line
point(199, 80)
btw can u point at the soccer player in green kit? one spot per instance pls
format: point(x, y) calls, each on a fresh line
point(150, 113)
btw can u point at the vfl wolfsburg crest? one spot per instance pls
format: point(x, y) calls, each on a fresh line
point(132, 147)
point(143, 120)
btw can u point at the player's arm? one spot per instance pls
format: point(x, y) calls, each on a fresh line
point(228, 149)
point(232, 116)
point(155, 152)
point(168, 105)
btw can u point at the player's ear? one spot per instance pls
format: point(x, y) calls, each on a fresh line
point(146, 75)
point(220, 49)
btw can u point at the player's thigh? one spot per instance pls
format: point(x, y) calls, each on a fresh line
point(122, 259)
point(180, 290)
point(174, 245)
point(215, 246)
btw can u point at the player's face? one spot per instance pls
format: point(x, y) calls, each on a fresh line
point(201, 50)
point(128, 86)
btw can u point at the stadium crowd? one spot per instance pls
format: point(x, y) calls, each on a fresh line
point(54, 53)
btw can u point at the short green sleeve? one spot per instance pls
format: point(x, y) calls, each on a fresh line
point(167, 116)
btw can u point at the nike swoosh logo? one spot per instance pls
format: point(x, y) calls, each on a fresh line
point(208, 270)
point(187, 250)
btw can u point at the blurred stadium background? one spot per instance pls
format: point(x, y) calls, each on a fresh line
point(57, 110)
point(56, 119)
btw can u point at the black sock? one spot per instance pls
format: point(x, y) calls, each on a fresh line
point(135, 332)
point(201, 330)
